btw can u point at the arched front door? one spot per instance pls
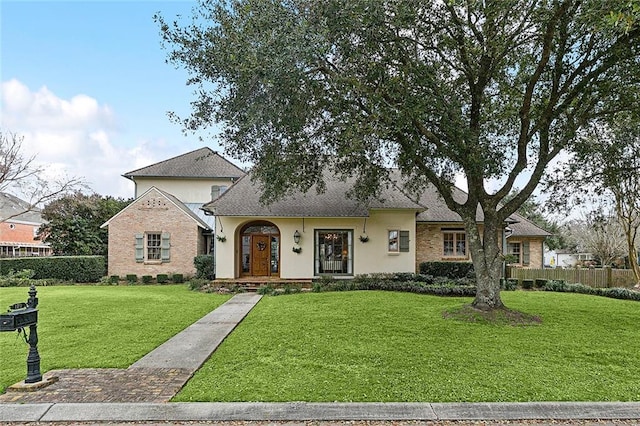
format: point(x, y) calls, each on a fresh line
point(260, 249)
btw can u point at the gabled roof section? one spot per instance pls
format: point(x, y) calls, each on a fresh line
point(11, 205)
point(243, 199)
point(203, 163)
point(437, 211)
point(172, 199)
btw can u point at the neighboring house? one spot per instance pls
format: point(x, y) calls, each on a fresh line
point(566, 258)
point(308, 235)
point(164, 228)
point(18, 229)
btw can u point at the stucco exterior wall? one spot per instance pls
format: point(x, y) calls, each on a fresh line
point(369, 257)
point(429, 245)
point(153, 213)
point(186, 190)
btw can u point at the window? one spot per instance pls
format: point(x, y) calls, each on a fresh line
point(334, 252)
point(454, 244)
point(398, 241)
point(520, 252)
point(152, 247)
point(394, 243)
point(217, 190)
point(513, 249)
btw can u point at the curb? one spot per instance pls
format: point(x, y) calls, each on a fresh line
point(303, 411)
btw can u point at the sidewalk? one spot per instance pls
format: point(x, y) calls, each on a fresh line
point(141, 392)
point(301, 411)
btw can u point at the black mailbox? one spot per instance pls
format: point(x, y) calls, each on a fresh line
point(21, 318)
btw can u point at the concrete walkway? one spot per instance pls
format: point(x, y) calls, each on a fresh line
point(188, 350)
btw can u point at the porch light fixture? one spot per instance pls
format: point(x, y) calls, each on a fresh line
point(296, 237)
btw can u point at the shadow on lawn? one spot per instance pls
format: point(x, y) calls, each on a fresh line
point(502, 316)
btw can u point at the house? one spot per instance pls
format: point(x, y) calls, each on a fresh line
point(308, 235)
point(183, 202)
point(19, 228)
point(164, 228)
point(441, 235)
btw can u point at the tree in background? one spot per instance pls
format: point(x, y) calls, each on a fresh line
point(73, 223)
point(21, 177)
point(487, 90)
point(533, 210)
point(598, 232)
point(605, 168)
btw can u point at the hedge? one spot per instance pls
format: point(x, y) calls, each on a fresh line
point(448, 269)
point(79, 269)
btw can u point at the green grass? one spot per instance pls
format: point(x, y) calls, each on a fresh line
point(382, 346)
point(99, 327)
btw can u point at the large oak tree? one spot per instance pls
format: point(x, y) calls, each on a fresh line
point(489, 90)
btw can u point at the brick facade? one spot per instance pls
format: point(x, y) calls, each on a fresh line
point(18, 239)
point(154, 213)
point(429, 245)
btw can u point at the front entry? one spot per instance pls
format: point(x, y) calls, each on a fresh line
point(260, 254)
point(260, 249)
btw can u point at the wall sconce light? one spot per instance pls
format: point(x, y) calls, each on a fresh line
point(296, 237)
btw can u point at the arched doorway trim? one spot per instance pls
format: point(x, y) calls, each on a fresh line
point(259, 249)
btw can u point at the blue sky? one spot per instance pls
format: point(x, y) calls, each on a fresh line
point(87, 86)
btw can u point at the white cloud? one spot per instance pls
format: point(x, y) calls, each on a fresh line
point(75, 137)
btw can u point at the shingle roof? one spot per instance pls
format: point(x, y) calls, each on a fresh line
point(201, 163)
point(10, 205)
point(437, 211)
point(242, 199)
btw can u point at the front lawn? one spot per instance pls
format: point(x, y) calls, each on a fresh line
point(93, 326)
point(384, 346)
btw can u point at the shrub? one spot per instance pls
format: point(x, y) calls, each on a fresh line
point(205, 267)
point(21, 278)
point(448, 269)
point(162, 278)
point(177, 278)
point(197, 283)
point(527, 284)
point(79, 269)
point(540, 283)
point(132, 278)
point(147, 279)
point(509, 284)
point(114, 279)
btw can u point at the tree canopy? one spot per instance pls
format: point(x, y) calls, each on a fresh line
point(491, 91)
point(73, 223)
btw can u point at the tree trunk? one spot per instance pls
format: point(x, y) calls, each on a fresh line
point(633, 259)
point(487, 262)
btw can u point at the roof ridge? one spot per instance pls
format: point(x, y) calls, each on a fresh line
point(172, 159)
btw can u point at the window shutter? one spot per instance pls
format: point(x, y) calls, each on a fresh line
point(139, 246)
point(525, 253)
point(165, 247)
point(404, 241)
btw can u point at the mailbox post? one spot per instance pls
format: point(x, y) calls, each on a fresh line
point(18, 318)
